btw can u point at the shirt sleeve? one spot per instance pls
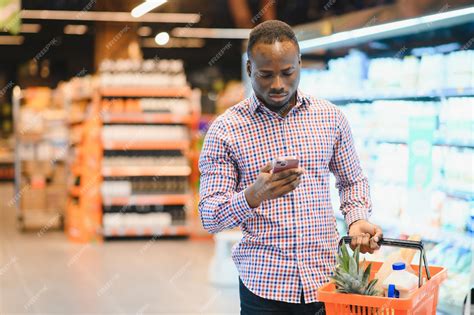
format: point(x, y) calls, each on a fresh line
point(353, 186)
point(220, 206)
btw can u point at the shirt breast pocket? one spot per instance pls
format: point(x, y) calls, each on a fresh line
point(315, 154)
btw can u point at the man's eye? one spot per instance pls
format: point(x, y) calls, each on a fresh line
point(265, 75)
point(287, 73)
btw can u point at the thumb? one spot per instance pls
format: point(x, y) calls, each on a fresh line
point(267, 168)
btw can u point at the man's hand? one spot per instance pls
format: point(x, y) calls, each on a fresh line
point(366, 235)
point(271, 186)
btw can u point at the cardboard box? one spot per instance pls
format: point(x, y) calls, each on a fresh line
point(60, 174)
point(33, 199)
point(56, 198)
point(41, 221)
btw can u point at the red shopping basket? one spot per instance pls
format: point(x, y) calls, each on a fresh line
point(422, 302)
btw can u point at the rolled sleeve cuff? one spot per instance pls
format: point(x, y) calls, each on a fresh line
point(242, 210)
point(356, 215)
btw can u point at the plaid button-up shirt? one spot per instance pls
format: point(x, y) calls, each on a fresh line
point(289, 243)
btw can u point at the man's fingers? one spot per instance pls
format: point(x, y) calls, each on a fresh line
point(290, 186)
point(285, 181)
point(378, 234)
point(362, 240)
point(373, 244)
point(365, 242)
point(356, 241)
point(283, 174)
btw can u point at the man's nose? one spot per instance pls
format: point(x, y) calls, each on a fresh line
point(277, 83)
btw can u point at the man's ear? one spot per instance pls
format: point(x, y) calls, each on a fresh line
point(299, 59)
point(249, 67)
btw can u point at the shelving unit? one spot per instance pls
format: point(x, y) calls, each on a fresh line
point(148, 199)
point(432, 95)
point(39, 160)
point(146, 92)
point(7, 164)
point(82, 221)
point(146, 171)
point(146, 232)
point(143, 147)
point(132, 183)
point(146, 145)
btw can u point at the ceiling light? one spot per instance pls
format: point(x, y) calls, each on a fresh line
point(162, 38)
point(71, 29)
point(102, 16)
point(144, 31)
point(30, 28)
point(146, 7)
point(387, 30)
point(11, 40)
point(229, 33)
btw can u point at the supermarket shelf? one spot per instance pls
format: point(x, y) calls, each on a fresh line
point(75, 191)
point(150, 118)
point(7, 160)
point(428, 234)
point(76, 121)
point(147, 145)
point(145, 92)
point(436, 143)
point(31, 138)
point(433, 235)
point(110, 171)
point(76, 170)
point(464, 195)
point(178, 230)
point(430, 95)
point(454, 144)
point(440, 235)
point(160, 199)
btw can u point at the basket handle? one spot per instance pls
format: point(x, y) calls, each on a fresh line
point(400, 243)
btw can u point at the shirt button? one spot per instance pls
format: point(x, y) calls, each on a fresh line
point(301, 235)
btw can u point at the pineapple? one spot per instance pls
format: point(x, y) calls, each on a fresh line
point(350, 277)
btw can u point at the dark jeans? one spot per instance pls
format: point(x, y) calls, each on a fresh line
point(251, 304)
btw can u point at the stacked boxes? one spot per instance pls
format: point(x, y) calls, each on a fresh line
point(43, 194)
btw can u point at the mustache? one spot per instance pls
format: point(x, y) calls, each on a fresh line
point(276, 92)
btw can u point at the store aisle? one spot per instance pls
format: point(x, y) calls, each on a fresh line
point(44, 273)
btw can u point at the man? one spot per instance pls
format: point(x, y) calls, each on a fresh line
point(289, 230)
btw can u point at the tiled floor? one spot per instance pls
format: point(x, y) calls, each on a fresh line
point(46, 274)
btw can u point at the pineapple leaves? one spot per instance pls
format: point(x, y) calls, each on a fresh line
point(367, 273)
point(350, 275)
point(345, 258)
point(370, 290)
point(356, 256)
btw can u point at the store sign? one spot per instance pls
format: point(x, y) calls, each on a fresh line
point(420, 147)
point(420, 171)
point(10, 16)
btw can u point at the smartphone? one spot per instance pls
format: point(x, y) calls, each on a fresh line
point(284, 163)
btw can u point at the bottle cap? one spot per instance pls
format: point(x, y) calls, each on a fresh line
point(398, 266)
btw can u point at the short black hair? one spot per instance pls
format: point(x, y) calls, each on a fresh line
point(270, 32)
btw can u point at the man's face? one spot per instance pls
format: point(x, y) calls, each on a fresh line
point(274, 71)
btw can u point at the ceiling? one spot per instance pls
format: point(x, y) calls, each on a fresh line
point(73, 53)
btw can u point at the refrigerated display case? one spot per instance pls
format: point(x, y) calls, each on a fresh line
point(411, 113)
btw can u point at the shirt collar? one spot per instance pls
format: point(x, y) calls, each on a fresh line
point(301, 100)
